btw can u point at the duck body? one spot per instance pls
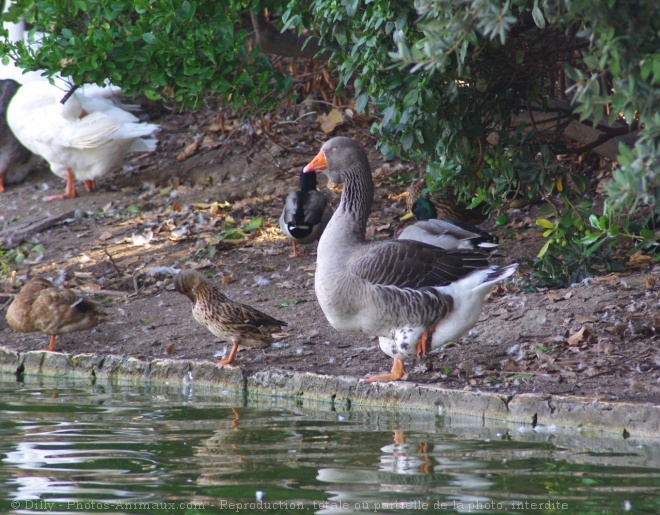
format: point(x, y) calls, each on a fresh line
point(228, 320)
point(306, 213)
point(446, 234)
point(408, 293)
point(15, 160)
point(41, 307)
point(445, 205)
point(84, 139)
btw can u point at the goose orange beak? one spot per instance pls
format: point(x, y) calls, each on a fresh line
point(318, 163)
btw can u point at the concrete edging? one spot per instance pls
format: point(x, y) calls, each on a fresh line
point(639, 420)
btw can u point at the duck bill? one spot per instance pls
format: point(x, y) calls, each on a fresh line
point(407, 216)
point(316, 164)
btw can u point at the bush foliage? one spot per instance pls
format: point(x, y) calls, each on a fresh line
point(177, 50)
point(447, 79)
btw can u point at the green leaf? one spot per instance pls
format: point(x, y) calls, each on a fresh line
point(255, 223)
point(589, 238)
point(544, 249)
point(361, 102)
point(152, 95)
point(594, 247)
point(410, 100)
point(288, 303)
point(547, 224)
point(131, 209)
point(537, 14)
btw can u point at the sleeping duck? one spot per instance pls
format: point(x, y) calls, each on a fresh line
point(41, 307)
point(413, 296)
point(446, 234)
point(83, 139)
point(446, 206)
point(306, 213)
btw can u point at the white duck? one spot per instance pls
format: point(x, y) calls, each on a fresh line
point(405, 292)
point(83, 139)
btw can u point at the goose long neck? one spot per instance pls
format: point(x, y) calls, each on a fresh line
point(357, 196)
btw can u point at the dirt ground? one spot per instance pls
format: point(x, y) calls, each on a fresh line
point(123, 243)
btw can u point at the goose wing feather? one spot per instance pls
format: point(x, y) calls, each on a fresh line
point(411, 264)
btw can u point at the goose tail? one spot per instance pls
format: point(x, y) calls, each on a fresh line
point(499, 273)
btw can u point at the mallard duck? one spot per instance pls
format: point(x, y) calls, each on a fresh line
point(228, 320)
point(15, 159)
point(306, 213)
point(410, 294)
point(446, 234)
point(83, 139)
point(41, 307)
point(445, 204)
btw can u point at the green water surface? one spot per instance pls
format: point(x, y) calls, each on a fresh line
point(70, 447)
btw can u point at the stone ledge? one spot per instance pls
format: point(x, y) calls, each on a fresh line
point(639, 420)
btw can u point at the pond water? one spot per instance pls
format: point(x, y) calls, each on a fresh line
point(68, 447)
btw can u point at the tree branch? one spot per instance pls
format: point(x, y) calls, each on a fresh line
point(286, 44)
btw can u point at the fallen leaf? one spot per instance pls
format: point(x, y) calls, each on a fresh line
point(649, 282)
point(188, 150)
point(89, 286)
point(329, 122)
point(177, 206)
point(639, 259)
point(210, 141)
point(618, 329)
point(105, 236)
point(170, 349)
point(583, 319)
point(577, 337)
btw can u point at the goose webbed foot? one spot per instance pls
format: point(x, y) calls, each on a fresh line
point(395, 374)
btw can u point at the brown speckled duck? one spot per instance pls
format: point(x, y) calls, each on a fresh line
point(228, 320)
point(412, 295)
point(306, 213)
point(41, 307)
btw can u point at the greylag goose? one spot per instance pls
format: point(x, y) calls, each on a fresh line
point(445, 204)
point(228, 320)
point(41, 307)
point(306, 213)
point(15, 159)
point(446, 234)
point(410, 294)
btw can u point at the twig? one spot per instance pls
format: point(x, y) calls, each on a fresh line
point(69, 93)
point(112, 261)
